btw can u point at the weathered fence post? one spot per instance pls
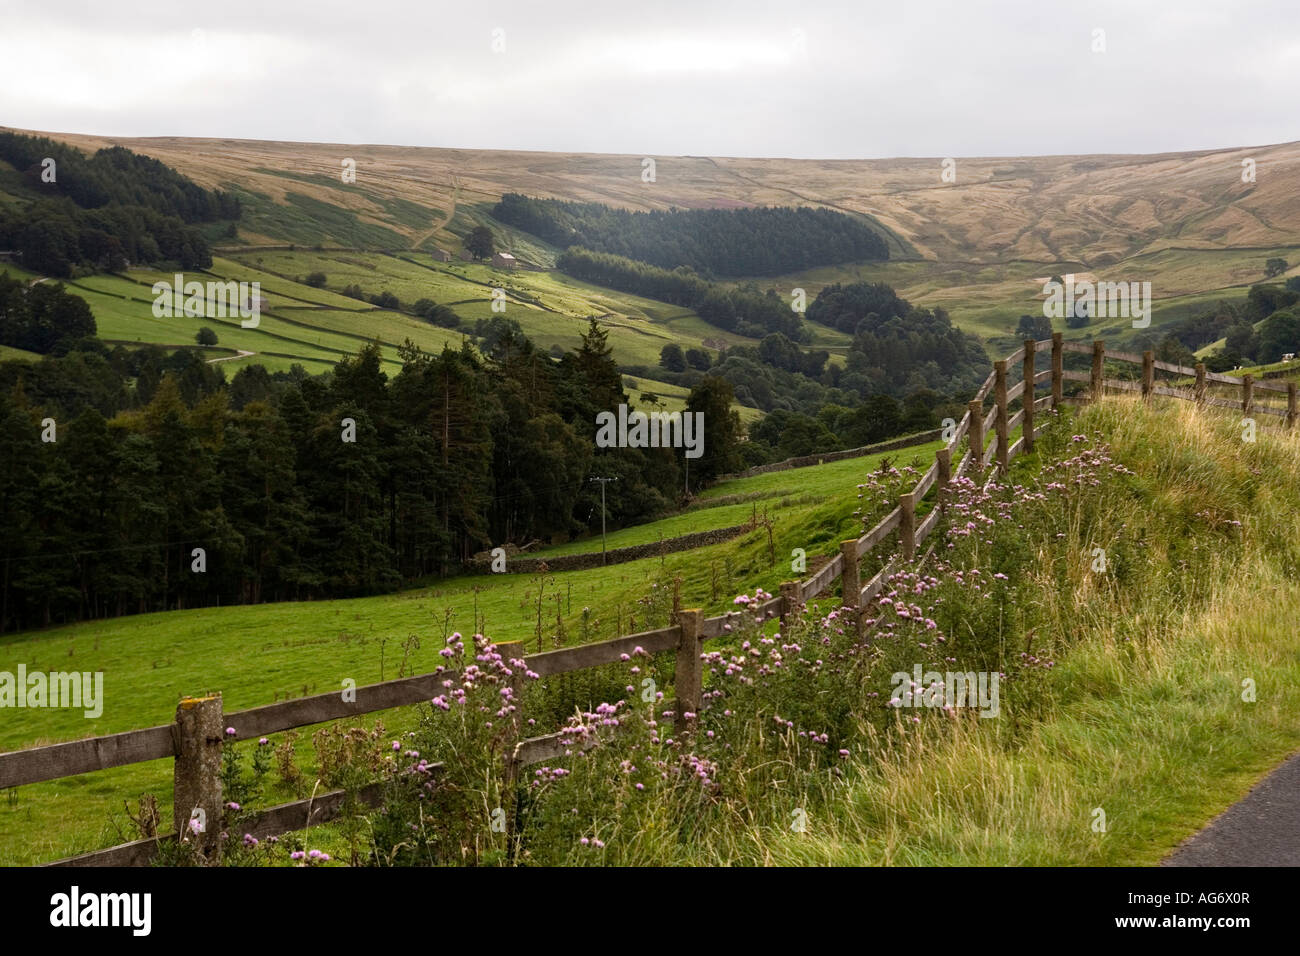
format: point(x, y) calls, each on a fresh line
point(1058, 347)
point(907, 526)
point(850, 582)
point(196, 774)
point(1247, 394)
point(1290, 405)
point(1027, 397)
point(689, 675)
point(943, 457)
point(1000, 420)
point(791, 598)
point(1148, 373)
point(1098, 368)
point(976, 433)
point(1198, 392)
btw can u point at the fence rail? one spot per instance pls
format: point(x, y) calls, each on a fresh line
point(195, 738)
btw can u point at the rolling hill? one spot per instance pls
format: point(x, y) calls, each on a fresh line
point(979, 247)
point(1095, 210)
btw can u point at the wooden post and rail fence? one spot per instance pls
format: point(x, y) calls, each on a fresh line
point(194, 739)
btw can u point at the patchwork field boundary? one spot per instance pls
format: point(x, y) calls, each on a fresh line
point(804, 461)
point(631, 552)
point(194, 740)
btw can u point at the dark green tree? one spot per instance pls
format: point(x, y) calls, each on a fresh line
point(713, 398)
point(1279, 335)
point(671, 358)
point(1036, 327)
point(479, 243)
point(698, 359)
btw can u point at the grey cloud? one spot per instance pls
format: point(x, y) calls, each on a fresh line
point(870, 79)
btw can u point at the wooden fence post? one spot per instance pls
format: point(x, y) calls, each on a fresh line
point(1148, 373)
point(944, 459)
point(1000, 420)
point(196, 775)
point(1198, 391)
point(907, 526)
point(1058, 347)
point(1247, 394)
point(850, 581)
point(1027, 397)
point(689, 675)
point(1098, 368)
point(1290, 405)
point(791, 598)
point(976, 433)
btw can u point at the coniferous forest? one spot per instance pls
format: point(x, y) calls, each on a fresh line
point(152, 456)
point(745, 310)
point(756, 241)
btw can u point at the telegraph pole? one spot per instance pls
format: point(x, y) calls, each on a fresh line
point(603, 482)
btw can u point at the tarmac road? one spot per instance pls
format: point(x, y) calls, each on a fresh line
point(1261, 829)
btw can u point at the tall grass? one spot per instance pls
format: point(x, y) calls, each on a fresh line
point(1145, 718)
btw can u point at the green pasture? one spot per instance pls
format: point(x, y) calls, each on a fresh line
point(257, 654)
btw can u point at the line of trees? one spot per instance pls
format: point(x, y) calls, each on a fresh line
point(744, 310)
point(56, 238)
point(757, 241)
point(154, 456)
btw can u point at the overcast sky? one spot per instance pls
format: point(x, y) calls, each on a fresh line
point(802, 78)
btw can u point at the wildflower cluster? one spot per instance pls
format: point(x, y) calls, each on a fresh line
point(440, 779)
point(878, 493)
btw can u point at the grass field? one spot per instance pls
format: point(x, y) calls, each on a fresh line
point(551, 308)
point(779, 493)
point(672, 398)
point(132, 320)
point(316, 327)
point(260, 653)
